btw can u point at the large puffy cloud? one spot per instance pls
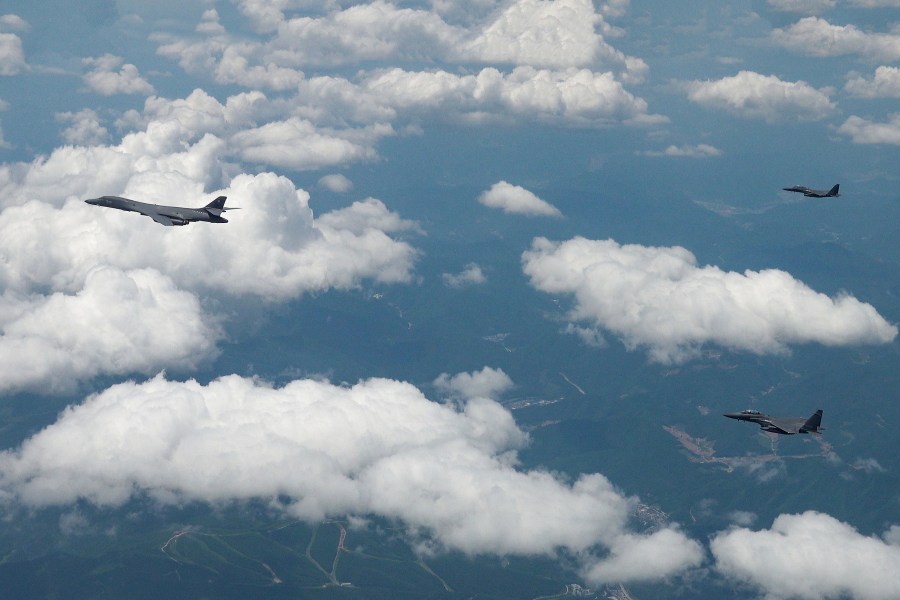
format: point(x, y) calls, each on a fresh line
point(48, 343)
point(811, 556)
point(864, 131)
point(817, 37)
point(379, 447)
point(299, 144)
point(755, 96)
point(668, 550)
point(660, 299)
point(53, 317)
point(517, 200)
point(274, 248)
point(364, 32)
point(537, 32)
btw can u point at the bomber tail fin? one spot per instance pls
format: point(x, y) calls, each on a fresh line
point(217, 206)
point(835, 191)
point(813, 424)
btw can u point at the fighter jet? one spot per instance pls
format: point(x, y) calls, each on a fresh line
point(784, 425)
point(833, 192)
point(167, 215)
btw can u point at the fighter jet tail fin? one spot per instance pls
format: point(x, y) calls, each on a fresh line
point(835, 191)
point(813, 424)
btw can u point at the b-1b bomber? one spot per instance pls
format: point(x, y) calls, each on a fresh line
point(167, 215)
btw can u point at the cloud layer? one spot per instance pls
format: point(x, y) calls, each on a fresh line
point(658, 298)
point(64, 255)
point(379, 447)
point(547, 60)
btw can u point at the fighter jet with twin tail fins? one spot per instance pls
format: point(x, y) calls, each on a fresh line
point(784, 425)
point(167, 215)
point(810, 193)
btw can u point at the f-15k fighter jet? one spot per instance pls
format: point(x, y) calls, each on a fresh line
point(784, 425)
point(810, 193)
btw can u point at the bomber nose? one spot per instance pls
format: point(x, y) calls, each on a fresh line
point(93, 201)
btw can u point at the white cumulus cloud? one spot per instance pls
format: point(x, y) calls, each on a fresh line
point(810, 556)
point(569, 96)
point(865, 131)
point(336, 182)
point(885, 84)
point(12, 57)
point(660, 299)
point(471, 275)
point(809, 7)
point(755, 96)
point(83, 127)
point(104, 79)
point(120, 322)
point(14, 22)
point(688, 150)
point(487, 383)
point(667, 550)
point(817, 37)
point(541, 33)
point(517, 200)
point(299, 144)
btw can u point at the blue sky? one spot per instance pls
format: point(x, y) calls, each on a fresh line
point(278, 104)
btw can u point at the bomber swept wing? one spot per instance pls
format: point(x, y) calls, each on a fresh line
point(161, 219)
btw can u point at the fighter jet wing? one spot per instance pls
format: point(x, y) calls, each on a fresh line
point(785, 425)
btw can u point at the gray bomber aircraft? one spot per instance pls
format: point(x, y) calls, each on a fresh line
point(167, 215)
point(810, 193)
point(784, 425)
